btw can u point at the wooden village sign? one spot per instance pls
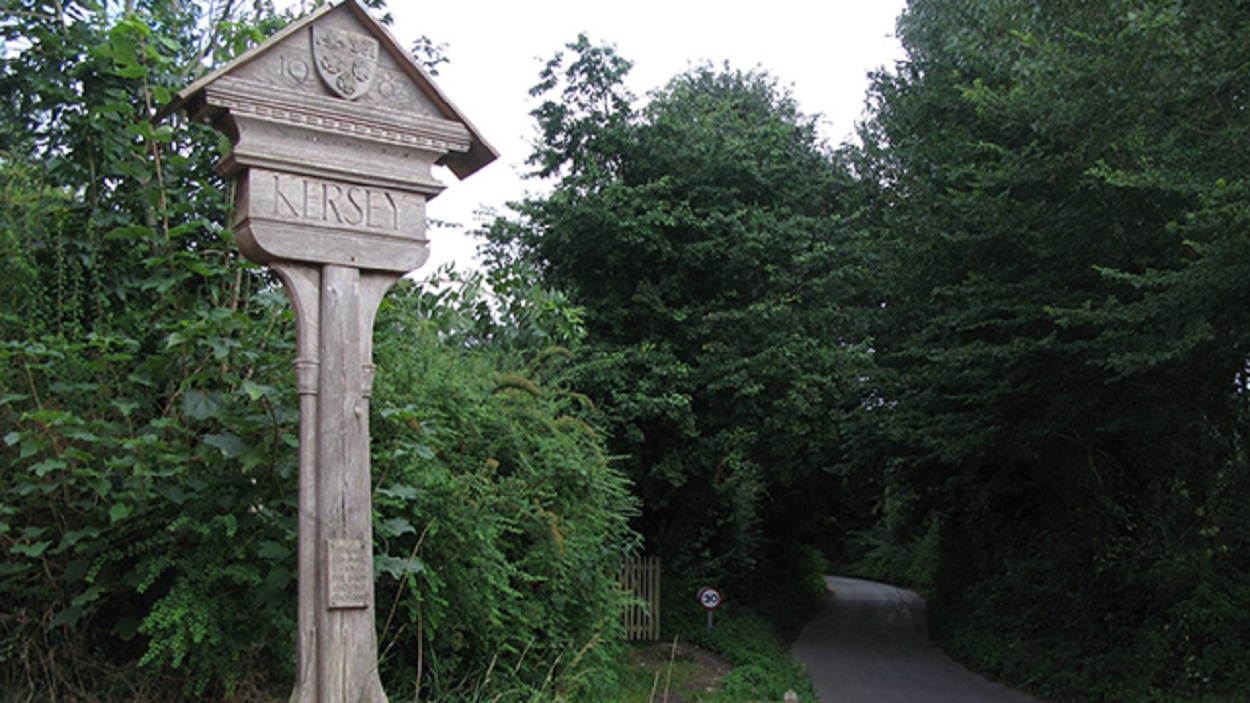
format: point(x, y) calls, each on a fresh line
point(334, 131)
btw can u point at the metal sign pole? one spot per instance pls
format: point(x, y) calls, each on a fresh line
point(710, 598)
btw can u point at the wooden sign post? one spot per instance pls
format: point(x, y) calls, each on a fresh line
point(334, 131)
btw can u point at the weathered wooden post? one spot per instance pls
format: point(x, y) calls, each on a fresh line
point(334, 131)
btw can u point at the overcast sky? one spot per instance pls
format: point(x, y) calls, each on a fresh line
point(822, 50)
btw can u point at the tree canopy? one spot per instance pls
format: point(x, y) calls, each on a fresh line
point(1011, 316)
point(1063, 339)
point(703, 234)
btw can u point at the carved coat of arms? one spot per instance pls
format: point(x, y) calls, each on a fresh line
point(346, 61)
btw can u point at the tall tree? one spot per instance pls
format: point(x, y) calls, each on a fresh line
point(1063, 339)
point(702, 234)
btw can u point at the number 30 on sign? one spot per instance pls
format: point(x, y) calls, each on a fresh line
point(709, 598)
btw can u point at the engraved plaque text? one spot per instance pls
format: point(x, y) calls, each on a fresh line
point(351, 586)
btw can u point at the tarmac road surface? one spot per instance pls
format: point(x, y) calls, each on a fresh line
point(870, 645)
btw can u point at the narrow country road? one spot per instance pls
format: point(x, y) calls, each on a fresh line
point(870, 646)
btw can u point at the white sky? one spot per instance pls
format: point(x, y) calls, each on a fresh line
point(822, 50)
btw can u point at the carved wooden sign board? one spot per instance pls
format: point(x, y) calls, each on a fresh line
point(334, 131)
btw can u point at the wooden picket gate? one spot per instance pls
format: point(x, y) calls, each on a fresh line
point(641, 578)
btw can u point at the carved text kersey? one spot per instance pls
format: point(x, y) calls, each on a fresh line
point(318, 201)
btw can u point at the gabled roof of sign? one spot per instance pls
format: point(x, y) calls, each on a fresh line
point(480, 152)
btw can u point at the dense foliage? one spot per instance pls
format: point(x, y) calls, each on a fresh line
point(146, 442)
point(147, 502)
point(501, 527)
point(996, 350)
point(701, 234)
point(1013, 317)
point(1059, 195)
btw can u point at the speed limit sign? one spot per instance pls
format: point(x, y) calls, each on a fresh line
point(709, 598)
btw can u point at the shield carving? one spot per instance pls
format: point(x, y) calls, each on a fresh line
point(346, 61)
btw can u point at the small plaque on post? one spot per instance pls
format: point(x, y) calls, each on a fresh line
point(351, 584)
